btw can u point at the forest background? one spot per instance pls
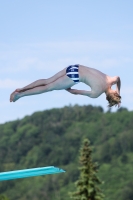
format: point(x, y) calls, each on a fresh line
point(53, 138)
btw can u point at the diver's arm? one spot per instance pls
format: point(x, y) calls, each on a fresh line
point(118, 84)
point(82, 92)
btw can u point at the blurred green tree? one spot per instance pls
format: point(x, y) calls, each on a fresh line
point(87, 188)
point(3, 197)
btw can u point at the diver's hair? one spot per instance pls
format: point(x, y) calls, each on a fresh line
point(114, 99)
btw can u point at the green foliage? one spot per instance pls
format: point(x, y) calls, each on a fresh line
point(53, 137)
point(87, 184)
point(3, 197)
point(127, 192)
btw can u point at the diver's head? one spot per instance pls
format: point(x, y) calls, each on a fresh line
point(113, 98)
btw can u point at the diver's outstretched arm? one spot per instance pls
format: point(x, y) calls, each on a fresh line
point(81, 92)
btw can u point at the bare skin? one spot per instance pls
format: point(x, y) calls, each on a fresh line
point(98, 82)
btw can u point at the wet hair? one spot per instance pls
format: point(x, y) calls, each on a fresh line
point(114, 99)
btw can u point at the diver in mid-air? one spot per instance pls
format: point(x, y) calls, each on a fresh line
point(71, 75)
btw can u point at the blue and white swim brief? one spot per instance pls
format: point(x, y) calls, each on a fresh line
point(72, 72)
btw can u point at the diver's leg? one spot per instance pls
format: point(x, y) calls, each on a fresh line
point(61, 83)
point(42, 82)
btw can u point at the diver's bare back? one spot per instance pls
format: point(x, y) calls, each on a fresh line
point(98, 81)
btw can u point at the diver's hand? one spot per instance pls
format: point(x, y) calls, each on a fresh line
point(68, 89)
point(72, 91)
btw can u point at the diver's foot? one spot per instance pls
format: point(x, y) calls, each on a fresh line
point(14, 96)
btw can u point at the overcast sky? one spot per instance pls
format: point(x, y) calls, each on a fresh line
point(40, 38)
